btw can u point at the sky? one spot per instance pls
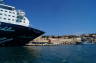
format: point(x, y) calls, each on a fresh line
point(59, 17)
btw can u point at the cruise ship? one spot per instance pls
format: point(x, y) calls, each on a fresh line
point(15, 29)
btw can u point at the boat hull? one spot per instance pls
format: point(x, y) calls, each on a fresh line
point(16, 35)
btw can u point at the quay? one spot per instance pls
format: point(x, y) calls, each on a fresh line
point(63, 40)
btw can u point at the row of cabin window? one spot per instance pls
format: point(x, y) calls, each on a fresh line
point(10, 19)
point(7, 19)
point(6, 15)
point(8, 11)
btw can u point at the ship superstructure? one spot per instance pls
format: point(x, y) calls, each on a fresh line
point(14, 27)
point(9, 14)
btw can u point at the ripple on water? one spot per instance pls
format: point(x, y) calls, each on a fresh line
point(49, 54)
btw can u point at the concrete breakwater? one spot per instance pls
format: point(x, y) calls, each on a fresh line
point(66, 39)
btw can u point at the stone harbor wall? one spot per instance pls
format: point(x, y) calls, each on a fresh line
point(66, 39)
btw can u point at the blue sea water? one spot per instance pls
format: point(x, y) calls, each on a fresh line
point(49, 54)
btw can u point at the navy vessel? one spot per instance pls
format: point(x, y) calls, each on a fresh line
point(15, 29)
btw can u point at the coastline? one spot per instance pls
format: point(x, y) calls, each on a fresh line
point(64, 40)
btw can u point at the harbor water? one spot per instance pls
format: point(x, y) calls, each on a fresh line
point(49, 54)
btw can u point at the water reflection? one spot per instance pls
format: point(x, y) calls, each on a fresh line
point(49, 54)
point(18, 54)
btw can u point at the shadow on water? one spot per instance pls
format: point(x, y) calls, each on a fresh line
point(18, 54)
